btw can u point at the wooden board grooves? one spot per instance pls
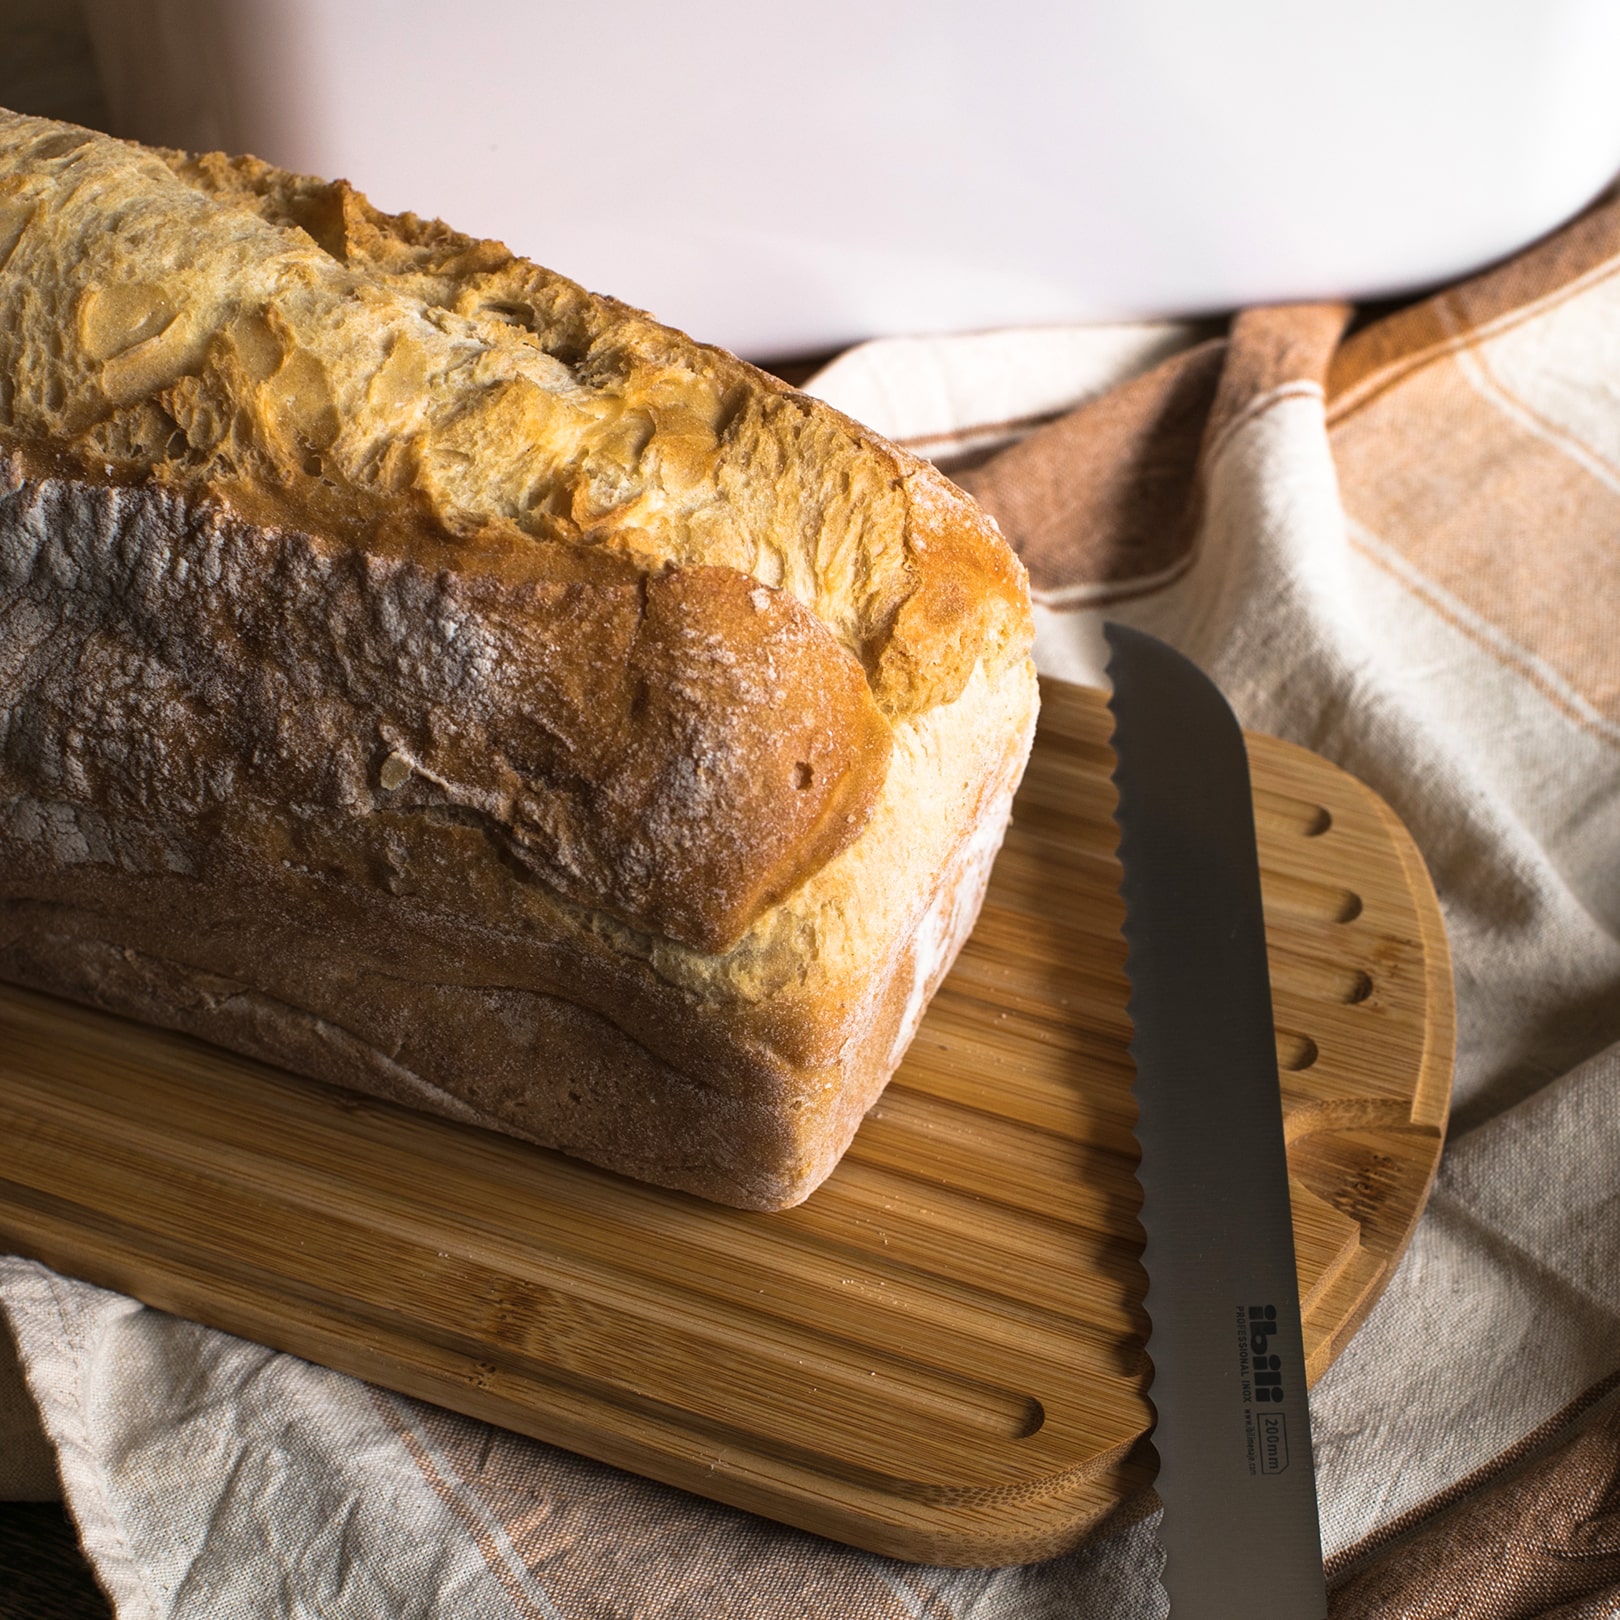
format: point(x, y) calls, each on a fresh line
point(939, 1356)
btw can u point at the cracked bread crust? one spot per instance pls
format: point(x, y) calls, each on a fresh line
point(396, 631)
point(272, 344)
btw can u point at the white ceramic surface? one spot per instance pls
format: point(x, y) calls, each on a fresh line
point(788, 178)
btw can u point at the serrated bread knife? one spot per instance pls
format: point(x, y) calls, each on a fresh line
point(1239, 1527)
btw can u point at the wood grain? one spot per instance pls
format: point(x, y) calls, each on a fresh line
point(939, 1356)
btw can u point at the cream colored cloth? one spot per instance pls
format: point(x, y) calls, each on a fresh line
point(1401, 549)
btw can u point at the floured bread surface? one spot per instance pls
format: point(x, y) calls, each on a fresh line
point(387, 624)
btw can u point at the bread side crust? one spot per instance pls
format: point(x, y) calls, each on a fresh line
point(272, 772)
point(274, 891)
point(382, 943)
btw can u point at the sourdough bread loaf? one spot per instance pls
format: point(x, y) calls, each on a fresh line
point(426, 675)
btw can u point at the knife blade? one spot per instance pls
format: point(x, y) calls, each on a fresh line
point(1239, 1528)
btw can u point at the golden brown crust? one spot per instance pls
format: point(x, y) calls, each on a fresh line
point(572, 719)
point(274, 344)
point(389, 623)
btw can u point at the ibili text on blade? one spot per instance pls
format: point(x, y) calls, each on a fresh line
point(1261, 1370)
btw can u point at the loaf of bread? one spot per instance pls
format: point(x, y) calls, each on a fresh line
point(438, 680)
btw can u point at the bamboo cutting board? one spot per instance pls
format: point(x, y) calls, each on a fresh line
point(939, 1356)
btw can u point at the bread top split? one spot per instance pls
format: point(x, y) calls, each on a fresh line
point(720, 596)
